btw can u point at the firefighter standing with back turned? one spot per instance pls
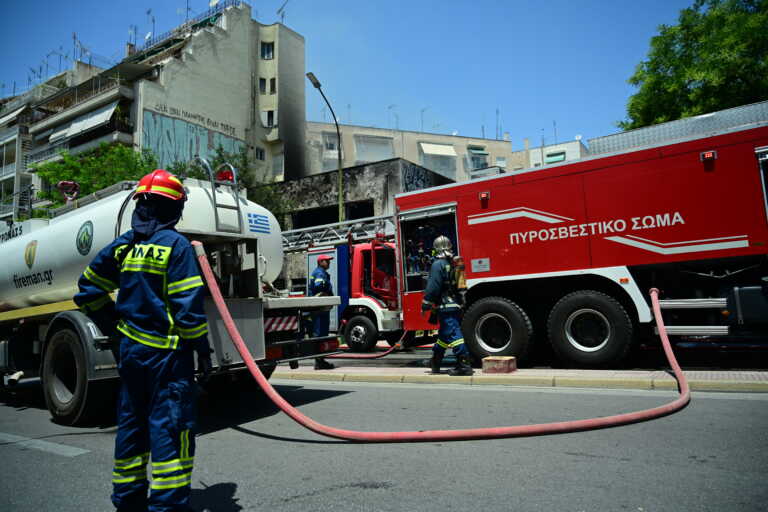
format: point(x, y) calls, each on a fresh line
point(441, 297)
point(160, 318)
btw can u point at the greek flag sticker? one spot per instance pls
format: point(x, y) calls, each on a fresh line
point(258, 223)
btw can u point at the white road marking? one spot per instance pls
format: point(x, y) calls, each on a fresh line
point(43, 446)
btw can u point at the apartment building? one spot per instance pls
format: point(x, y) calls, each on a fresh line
point(219, 80)
point(452, 156)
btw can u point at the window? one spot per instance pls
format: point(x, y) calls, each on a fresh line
point(501, 161)
point(268, 118)
point(259, 153)
point(272, 85)
point(278, 163)
point(262, 86)
point(373, 149)
point(554, 157)
point(330, 154)
point(358, 210)
point(267, 51)
point(440, 158)
point(478, 157)
point(315, 217)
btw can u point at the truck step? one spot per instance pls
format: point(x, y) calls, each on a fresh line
point(695, 330)
point(712, 303)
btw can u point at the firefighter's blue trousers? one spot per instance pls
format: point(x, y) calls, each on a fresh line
point(449, 333)
point(156, 421)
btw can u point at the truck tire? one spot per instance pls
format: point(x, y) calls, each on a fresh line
point(590, 329)
point(70, 397)
point(361, 334)
point(495, 326)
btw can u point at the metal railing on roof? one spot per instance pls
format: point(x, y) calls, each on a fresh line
point(190, 24)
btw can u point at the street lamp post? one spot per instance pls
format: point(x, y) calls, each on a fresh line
point(316, 83)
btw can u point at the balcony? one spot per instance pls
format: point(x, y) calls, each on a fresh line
point(8, 170)
point(82, 103)
point(113, 131)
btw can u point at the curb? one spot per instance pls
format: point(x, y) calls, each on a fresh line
point(640, 383)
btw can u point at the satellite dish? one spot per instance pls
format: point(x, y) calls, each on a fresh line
point(212, 3)
point(146, 37)
point(578, 137)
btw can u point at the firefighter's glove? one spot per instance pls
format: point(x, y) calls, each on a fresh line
point(204, 366)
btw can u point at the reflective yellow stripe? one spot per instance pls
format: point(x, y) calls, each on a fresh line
point(184, 440)
point(172, 465)
point(158, 188)
point(185, 284)
point(443, 344)
point(97, 304)
point(193, 332)
point(457, 343)
point(132, 462)
point(172, 482)
point(171, 341)
point(132, 267)
point(102, 282)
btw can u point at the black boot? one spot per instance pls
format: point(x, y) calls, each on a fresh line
point(463, 367)
point(435, 362)
point(322, 364)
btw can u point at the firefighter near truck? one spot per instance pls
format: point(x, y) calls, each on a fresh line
point(43, 334)
point(565, 255)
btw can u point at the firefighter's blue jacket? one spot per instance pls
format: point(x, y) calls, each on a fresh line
point(160, 302)
point(438, 292)
point(320, 282)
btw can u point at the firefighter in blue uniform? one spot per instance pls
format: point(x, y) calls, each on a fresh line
point(161, 323)
point(319, 285)
point(441, 299)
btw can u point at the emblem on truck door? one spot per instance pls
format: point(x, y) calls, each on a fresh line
point(29, 253)
point(84, 238)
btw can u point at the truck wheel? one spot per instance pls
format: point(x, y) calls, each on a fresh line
point(70, 397)
point(495, 326)
point(589, 328)
point(361, 334)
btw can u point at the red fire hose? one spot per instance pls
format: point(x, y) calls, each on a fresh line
point(446, 435)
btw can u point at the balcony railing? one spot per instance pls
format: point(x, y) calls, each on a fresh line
point(8, 169)
point(71, 144)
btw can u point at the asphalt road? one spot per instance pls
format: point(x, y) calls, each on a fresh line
point(710, 456)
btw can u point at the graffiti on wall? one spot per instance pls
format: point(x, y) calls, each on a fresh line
point(416, 178)
point(175, 140)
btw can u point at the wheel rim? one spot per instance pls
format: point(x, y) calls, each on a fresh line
point(493, 332)
point(64, 375)
point(357, 334)
point(587, 330)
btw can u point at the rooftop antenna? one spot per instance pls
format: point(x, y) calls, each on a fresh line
point(132, 29)
point(151, 20)
point(281, 12)
point(554, 129)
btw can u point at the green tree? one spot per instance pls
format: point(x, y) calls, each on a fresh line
point(259, 184)
point(96, 169)
point(716, 57)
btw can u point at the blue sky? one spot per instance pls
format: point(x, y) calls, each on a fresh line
point(536, 61)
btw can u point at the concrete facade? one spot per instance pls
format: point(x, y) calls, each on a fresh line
point(552, 153)
point(452, 156)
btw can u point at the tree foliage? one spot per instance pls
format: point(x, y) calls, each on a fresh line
point(716, 57)
point(95, 170)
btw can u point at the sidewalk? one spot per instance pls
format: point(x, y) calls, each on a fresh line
point(715, 380)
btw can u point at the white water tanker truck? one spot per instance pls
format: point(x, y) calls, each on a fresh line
point(42, 334)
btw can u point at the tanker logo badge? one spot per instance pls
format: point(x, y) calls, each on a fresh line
point(29, 253)
point(84, 238)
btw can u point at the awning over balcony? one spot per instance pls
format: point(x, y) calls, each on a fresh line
point(92, 119)
point(10, 117)
point(437, 149)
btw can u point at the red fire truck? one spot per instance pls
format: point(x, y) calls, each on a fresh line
point(566, 253)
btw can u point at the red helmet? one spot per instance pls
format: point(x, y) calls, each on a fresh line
point(324, 257)
point(161, 183)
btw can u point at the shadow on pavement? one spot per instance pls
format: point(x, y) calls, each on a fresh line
point(244, 402)
point(216, 498)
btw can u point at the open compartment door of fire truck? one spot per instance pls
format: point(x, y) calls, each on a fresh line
point(418, 230)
